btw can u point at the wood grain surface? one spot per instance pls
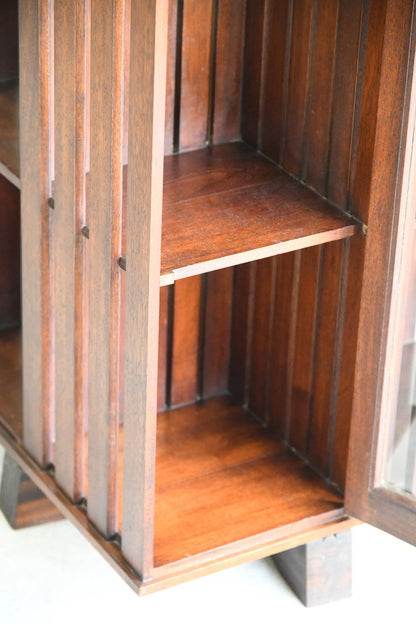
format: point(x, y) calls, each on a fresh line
point(226, 205)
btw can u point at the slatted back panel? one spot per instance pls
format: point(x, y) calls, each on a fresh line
point(302, 88)
point(204, 72)
point(286, 346)
point(302, 92)
point(194, 338)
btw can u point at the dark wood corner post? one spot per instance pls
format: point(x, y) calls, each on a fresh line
point(321, 571)
point(21, 502)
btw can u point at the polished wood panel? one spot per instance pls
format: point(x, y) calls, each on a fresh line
point(233, 482)
point(9, 132)
point(226, 205)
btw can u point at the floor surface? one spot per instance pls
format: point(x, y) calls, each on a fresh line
point(51, 575)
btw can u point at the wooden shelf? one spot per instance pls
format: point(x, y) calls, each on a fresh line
point(227, 204)
point(9, 132)
point(11, 412)
point(221, 478)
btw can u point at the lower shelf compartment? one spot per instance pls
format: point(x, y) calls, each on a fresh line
point(221, 478)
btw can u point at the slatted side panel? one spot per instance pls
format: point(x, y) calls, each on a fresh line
point(35, 115)
point(204, 73)
point(302, 88)
point(194, 339)
point(104, 248)
point(70, 32)
point(289, 368)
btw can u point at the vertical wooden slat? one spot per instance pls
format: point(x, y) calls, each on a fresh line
point(163, 344)
point(170, 76)
point(253, 59)
point(241, 330)
point(228, 70)
point(216, 353)
point(185, 348)
point(275, 95)
point(34, 21)
point(355, 249)
point(321, 96)
point(261, 344)
point(105, 214)
point(69, 195)
point(298, 88)
point(327, 356)
point(344, 98)
point(283, 341)
point(144, 205)
point(195, 75)
point(305, 349)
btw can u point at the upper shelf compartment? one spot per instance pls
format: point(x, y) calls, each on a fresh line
point(283, 78)
point(227, 204)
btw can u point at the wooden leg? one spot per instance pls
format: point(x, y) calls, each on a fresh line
point(319, 572)
point(21, 502)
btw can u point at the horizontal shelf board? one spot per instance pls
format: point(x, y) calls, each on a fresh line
point(11, 411)
point(9, 132)
point(227, 204)
point(221, 479)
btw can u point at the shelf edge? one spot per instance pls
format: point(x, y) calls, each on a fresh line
point(259, 254)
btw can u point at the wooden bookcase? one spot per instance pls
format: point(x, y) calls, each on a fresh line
point(207, 193)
